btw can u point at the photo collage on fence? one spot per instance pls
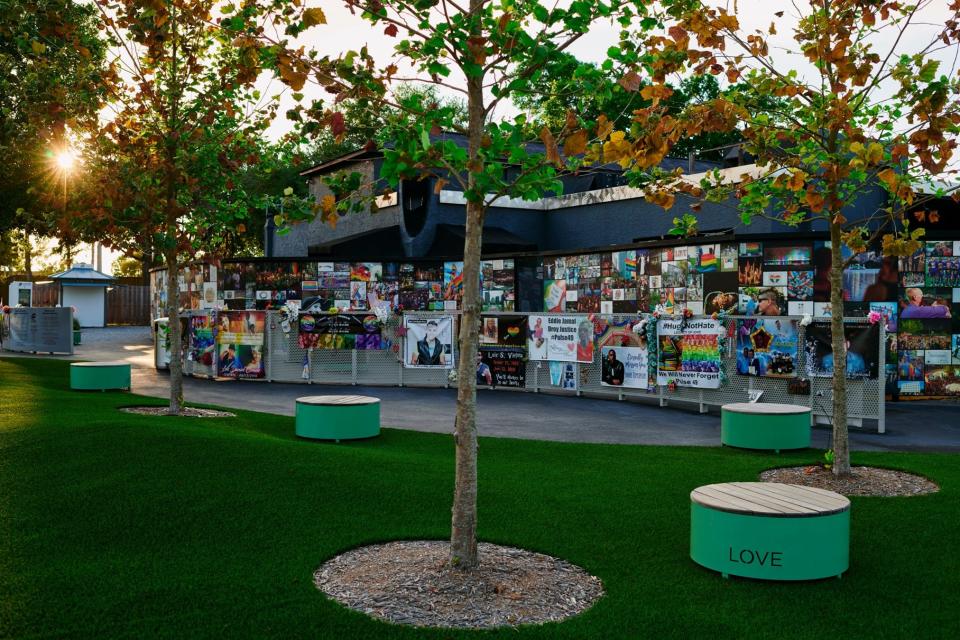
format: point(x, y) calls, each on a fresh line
point(358, 286)
point(917, 296)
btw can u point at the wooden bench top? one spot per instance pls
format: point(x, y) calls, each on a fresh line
point(772, 499)
point(765, 408)
point(115, 363)
point(338, 400)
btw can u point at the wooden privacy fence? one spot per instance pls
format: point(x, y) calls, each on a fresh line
point(128, 304)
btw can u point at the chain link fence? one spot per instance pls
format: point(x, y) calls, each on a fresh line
point(286, 361)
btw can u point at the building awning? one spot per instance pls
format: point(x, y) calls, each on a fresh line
point(86, 284)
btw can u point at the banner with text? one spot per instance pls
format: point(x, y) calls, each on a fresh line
point(625, 367)
point(560, 338)
point(689, 352)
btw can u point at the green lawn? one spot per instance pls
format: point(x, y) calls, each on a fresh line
point(114, 525)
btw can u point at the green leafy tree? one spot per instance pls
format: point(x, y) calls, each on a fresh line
point(52, 81)
point(559, 90)
point(186, 119)
point(868, 119)
point(486, 54)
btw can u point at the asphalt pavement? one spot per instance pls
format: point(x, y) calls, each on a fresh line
point(910, 426)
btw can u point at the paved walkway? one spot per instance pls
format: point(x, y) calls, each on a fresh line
point(917, 426)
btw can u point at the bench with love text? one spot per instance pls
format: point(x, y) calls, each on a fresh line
point(770, 531)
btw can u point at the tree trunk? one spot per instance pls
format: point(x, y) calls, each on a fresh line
point(173, 332)
point(463, 534)
point(463, 537)
point(27, 256)
point(841, 445)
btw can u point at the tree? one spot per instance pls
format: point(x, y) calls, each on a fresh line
point(161, 171)
point(52, 82)
point(486, 53)
point(126, 267)
point(868, 119)
point(559, 90)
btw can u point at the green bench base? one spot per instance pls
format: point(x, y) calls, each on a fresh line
point(770, 548)
point(99, 376)
point(768, 431)
point(317, 420)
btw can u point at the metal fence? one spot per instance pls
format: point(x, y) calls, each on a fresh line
point(285, 361)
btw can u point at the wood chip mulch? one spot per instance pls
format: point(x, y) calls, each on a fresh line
point(862, 481)
point(186, 412)
point(411, 583)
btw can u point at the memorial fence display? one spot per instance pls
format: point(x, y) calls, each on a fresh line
point(918, 296)
point(624, 363)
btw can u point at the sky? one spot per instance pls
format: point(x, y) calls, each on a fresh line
point(345, 31)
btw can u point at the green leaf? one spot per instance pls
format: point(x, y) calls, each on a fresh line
point(928, 71)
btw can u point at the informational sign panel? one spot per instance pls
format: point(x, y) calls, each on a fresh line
point(41, 329)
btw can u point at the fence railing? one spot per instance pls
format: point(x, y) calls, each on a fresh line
point(286, 361)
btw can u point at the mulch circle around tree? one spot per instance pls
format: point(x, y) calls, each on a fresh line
point(411, 583)
point(862, 481)
point(185, 412)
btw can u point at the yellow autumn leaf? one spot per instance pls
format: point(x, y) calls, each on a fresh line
point(328, 203)
point(314, 16)
point(38, 47)
point(874, 153)
point(575, 144)
point(604, 127)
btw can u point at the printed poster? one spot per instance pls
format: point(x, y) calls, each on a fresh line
point(202, 348)
point(625, 367)
point(863, 350)
point(563, 375)
point(428, 343)
point(240, 344)
point(767, 347)
point(501, 367)
point(340, 331)
point(503, 331)
point(560, 338)
point(689, 354)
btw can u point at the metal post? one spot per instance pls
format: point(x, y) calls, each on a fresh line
point(268, 362)
point(882, 375)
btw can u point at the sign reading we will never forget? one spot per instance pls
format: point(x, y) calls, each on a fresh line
point(689, 352)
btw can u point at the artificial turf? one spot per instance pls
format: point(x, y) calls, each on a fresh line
point(114, 525)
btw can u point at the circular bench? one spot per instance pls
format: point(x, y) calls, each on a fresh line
point(770, 531)
point(338, 417)
point(99, 376)
point(770, 425)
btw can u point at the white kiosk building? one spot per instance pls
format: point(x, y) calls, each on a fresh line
point(84, 288)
